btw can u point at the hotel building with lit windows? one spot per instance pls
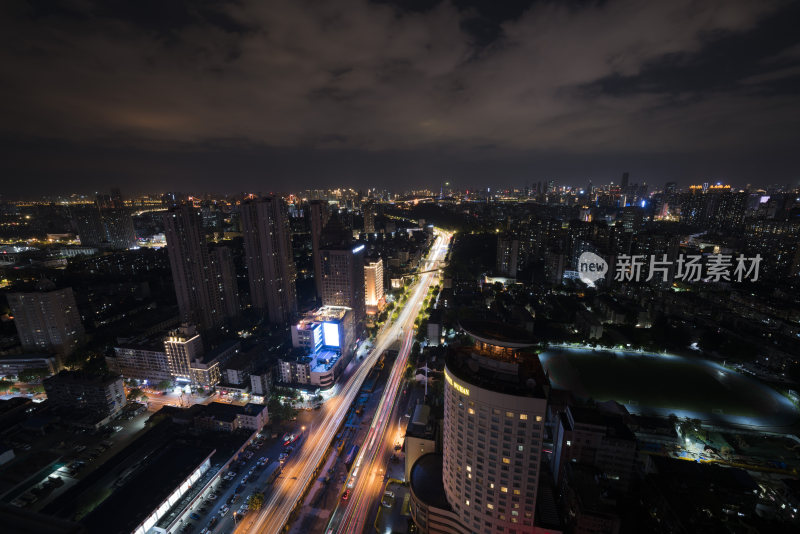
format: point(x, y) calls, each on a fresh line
point(494, 409)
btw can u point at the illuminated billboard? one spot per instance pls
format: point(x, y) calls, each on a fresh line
point(330, 331)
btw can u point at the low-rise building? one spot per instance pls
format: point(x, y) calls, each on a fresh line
point(14, 364)
point(141, 359)
point(260, 383)
point(420, 437)
point(224, 417)
point(324, 342)
point(596, 438)
point(79, 391)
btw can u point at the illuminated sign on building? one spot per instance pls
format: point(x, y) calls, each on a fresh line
point(330, 332)
point(455, 385)
point(358, 249)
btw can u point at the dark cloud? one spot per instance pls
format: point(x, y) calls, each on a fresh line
point(513, 91)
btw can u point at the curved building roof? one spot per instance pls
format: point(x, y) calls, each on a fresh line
point(426, 481)
point(498, 334)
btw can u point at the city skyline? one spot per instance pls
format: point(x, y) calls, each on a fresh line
point(399, 266)
point(215, 96)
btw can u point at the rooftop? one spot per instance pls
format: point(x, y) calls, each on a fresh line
point(427, 483)
point(141, 495)
point(497, 333)
point(528, 378)
point(330, 313)
point(614, 426)
point(80, 377)
point(220, 349)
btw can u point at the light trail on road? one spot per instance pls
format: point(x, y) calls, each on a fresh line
point(298, 471)
point(367, 468)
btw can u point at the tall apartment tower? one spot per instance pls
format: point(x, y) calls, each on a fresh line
point(119, 230)
point(373, 285)
point(47, 319)
point(319, 218)
point(369, 217)
point(89, 225)
point(225, 273)
point(508, 255)
point(494, 410)
point(343, 271)
point(269, 258)
point(106, 223)
point(193, 272)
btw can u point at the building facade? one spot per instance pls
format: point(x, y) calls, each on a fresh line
point(319, 214)
point(373, 286)
point(193, 272)
point(269, 258)
point(141, 361)
point(225, 280)
point(75, 390)
point(494, 410)
point(47, 320)
point(343, 271)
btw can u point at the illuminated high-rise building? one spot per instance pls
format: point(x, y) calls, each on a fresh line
point(343, 271)
point(182, 347)
point(225, 279)
point(269, 258)
point(193, 272)
point(319, 214)
point(494, 409)
point(47, 319)
point(373, 285)
point(508, 256)
point(119, 231)
point(369, 217)
point(89, 226)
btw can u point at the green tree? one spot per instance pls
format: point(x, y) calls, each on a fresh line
point(5, 385)
point(32, 375)
point(164, 385)
point(256, 501)
point(280, 411)
point(137, 394)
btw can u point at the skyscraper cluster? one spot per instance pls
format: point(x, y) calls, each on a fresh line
point(205, 277)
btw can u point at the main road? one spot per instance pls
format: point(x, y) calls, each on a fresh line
point(299, 470)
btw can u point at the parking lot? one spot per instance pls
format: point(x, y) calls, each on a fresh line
point(226, 501)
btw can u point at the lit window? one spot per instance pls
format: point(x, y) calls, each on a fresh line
point(466, 502)
point(523, 416)
point(538, 418)
point(569, 443)
point(469, 469)
point(508, 461)
point(509, 414)
point(491, 485)
point(504, 489)
point(490, 506)
point(471, 411)
point(519, 447)
point(516, 492)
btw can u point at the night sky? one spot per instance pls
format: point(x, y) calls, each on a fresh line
point(261, 95)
